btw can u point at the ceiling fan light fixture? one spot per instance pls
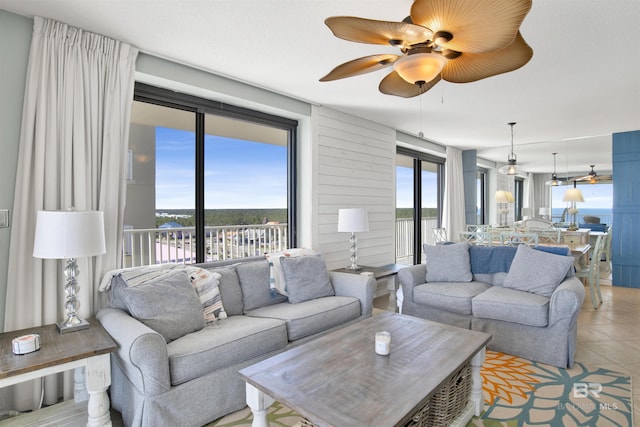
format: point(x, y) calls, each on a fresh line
point(511, 168)
point(419, 67)
point(554, 182)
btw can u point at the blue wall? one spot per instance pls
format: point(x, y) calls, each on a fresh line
point(625, 249)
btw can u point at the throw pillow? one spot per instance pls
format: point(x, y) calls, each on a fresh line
point(448, 263)
point(206, 285)
point(537, 272)
point(307, 278)
point(169, 305)
point(254, 282)
point(276, 278)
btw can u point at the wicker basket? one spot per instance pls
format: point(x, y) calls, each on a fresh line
point(448, 402)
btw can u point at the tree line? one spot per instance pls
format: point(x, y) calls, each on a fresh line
point(222, 217)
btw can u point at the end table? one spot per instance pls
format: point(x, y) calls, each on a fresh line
point(88, 348)
point(385, 275)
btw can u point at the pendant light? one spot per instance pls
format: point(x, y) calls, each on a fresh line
point(554, 176)
point(511, 168)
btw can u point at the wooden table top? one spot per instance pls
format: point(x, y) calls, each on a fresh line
point(339, 380)
point(378, 272)
point(55, 348)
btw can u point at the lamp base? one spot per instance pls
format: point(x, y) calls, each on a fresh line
point(353, 268)
point(64, 328)
point(572, 227)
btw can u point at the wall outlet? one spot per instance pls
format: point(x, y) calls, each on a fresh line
point(4, 218)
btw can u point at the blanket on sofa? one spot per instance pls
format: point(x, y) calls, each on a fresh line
point(497, 259)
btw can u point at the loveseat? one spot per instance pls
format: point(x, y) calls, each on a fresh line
point(527, 299)
point(179, 350)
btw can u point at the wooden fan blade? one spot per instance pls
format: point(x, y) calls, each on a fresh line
point(358, 66)
point(469, 67)
point(393, 84)
point(476, 26)
point(371, 31)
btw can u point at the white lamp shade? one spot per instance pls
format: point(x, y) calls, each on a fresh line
point(573, 195)
point(353, 220)
point(69, 234)
point(501, 196)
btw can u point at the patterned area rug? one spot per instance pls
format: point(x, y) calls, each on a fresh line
point(519, 392)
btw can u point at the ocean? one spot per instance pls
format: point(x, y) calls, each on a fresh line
point(605, 215)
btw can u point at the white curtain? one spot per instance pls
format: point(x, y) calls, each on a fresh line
point(73, 145)
point(453, 217)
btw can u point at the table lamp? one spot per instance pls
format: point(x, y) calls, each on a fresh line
point(69, 235)
point(354, 220)
point(573, 195)
point(544, 212)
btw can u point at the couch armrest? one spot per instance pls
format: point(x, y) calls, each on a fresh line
point(142, 352)
point(355, 285)
point(411, 276)
point(566, 302)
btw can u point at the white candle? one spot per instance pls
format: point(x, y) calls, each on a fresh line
point(383, 343)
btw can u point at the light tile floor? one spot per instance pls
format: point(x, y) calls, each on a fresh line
point(609, 336)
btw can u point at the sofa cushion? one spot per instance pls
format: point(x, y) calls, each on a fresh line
point(307, 278)
point(169, 305)
point(233, 340)
point(230, 291)
point(511, 305)
point(448, 263)
point(254, 282)
point(537, 271)
point(454, 297)
point(276, 275)
point(309, 317)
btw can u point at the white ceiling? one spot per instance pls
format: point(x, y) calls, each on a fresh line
point(582, 84)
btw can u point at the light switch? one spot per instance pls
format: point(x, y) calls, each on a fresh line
point(4, 218)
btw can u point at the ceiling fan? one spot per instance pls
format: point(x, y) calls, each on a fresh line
point(594, 178)
point(459, 41)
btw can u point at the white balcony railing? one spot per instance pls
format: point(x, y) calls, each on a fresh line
point(163, 245)
point(404, 236)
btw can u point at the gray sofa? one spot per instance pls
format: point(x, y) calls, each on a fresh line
point(527, 299)
point(170, 379)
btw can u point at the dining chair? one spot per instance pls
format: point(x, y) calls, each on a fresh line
point(515, 239)
point(475, 227)
point(607, 251)
point(591, 271)
point(547, 237)
point(478, 238)
point(591, 219)
point(440, 235)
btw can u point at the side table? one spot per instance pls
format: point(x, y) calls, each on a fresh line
point(385, 275)
point(88, 348)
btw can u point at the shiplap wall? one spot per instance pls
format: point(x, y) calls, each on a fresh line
point(354, 167)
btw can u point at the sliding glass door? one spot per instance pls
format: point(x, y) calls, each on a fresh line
point(419, 185)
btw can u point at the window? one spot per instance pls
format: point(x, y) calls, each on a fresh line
point(209, 181)
point(518, 197)
point(481, 196)
point(419, 189)
point(598, 202)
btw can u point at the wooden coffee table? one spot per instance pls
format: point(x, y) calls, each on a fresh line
point(339, 380)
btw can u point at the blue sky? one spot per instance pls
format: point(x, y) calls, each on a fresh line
point(238, 174)
point(244, 174)
point(596, 196)
point(404, 188)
